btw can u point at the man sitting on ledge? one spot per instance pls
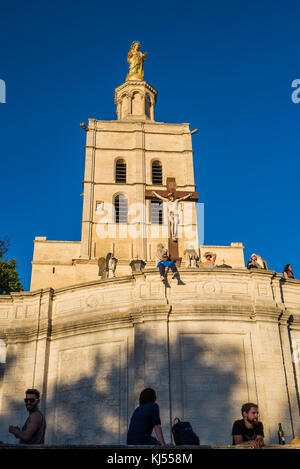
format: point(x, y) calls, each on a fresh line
point(248, 431)
point(166, 262)
point(144, 420)
point(33, 431)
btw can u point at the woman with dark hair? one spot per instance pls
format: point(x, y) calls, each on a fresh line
point(287, 272)
point(144, 420)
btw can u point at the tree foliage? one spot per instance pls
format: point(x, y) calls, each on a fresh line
point(9, 277)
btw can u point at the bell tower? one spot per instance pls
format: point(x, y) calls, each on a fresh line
point(127, 160)
point(139, 196)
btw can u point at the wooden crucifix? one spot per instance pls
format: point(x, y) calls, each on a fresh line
point(172, 198)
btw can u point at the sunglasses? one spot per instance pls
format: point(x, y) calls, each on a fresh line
point(31, 400)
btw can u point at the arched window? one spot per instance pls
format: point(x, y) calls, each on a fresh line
point(137, 104)
point(120, 171)
point(156, 172)
point(124, 106)
point(148, 106)
point(121, 209)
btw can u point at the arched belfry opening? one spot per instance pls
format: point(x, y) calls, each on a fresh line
point(120, 171)
point(135, 100)
point(156, 173)
point(120, 204)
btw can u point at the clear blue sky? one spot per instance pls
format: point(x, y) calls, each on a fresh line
point(224, 66)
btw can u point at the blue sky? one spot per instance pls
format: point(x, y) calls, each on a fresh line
point(224, 66)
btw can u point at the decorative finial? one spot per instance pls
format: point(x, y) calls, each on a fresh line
point(136, 59)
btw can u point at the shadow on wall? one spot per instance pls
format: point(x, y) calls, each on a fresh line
point(213, 385)
point(11, 408)
point(92, 409)
point(89, 404)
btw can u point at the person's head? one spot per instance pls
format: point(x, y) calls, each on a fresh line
point(135, 45)
point(208, 256)
point(254, 257)
point(32, 399)
point(171, 196)
point(288, 268)
point(165, 257)
point(147, 395)
point(250, 412)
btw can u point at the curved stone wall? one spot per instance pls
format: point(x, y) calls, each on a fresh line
point(220, 338)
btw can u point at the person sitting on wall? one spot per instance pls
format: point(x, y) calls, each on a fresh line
point(144, 420)
point(210, 259)
point(253, 263)
point(167, 262)
point(33, 431)
point(288, 272)
point(248, 431)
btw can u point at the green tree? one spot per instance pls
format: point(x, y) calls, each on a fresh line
point(9, 277)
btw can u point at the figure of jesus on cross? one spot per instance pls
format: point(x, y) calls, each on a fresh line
point(172, 198)
point(173, 211)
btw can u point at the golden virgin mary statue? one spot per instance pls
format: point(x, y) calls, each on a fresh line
point(136, 59)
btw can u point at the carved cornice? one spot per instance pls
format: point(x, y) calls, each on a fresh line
point(207, 294)
point(147, 150)
point(133, 85)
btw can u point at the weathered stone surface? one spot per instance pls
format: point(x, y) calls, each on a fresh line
point(206, 346)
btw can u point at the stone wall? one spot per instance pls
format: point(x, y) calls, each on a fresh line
point(220, 338)
point(56, 264)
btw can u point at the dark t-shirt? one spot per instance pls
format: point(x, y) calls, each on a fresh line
point(239, 428)
point(39, 436)
point(143, 419)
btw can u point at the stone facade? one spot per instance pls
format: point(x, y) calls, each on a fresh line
point(219, 338)
point(222, 337)
point(137, 140)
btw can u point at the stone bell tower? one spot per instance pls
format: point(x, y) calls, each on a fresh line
point(128, 159)
point(134, 166)
point(139, 194)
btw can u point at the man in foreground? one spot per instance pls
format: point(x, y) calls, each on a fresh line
point(248, 431)
point(33, 431)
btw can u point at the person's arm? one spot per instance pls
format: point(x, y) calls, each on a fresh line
point(260, 435)
point(185, 197)
point(32, 426)
point(158, 431)
point(238, 440)
point(159, 196)
point(285, 275)
point(260, 441)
